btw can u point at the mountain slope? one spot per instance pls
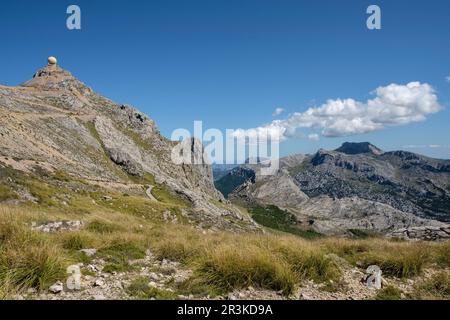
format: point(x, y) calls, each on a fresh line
point(356, 186)
point(55, 124)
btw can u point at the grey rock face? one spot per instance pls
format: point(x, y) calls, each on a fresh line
point(338, 216)
point(57, 226)
point(123, 160)
point(407, 182)
point(56, 121)
point(89, 252)
point(358, 148)
point(427, 233)
point(355, 188)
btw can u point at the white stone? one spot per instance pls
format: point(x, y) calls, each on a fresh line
point(89, 252)
point(57, 287)
point(99, 283)
point(52, 61)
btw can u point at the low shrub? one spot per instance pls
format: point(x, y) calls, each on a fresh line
point(102, 227)
point(140, 289)
point(389, 293)
point(230, 267)
point(437, 287)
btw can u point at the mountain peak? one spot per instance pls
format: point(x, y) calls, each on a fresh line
point(53, 77)
point(358, 148)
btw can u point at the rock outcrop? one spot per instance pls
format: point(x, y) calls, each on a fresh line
point(356, 187)
point(427, 233)
point(57, 123)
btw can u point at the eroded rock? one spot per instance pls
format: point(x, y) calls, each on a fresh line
point(56, 226)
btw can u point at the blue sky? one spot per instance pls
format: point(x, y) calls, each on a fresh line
point(231, 63)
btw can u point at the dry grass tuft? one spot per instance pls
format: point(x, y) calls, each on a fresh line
point(221, 261)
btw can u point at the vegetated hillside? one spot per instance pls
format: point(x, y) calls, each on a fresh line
point(233, 179)
point(220, 170)
point(354, 187)
point(54, 126)
point(125, 255)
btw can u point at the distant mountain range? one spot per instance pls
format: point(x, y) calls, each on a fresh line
point(357, 186)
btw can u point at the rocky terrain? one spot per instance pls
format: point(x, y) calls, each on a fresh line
point(92, 207)
point(158, 279)
point(54, 123)
point(355, 187)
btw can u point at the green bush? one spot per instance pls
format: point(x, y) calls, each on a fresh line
point(404, 264)
point(75, 241)
point(389, 293)
point(101, 227)
point(119, 253)
point(36, 266)
point(437, 287)
point(277, 219)
point(229, 267)
point(311, 264)
point(140, 289)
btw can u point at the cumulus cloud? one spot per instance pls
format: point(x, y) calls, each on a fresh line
point(392, 105)
point(425, 146)
point(313, 137)
point(277, 112)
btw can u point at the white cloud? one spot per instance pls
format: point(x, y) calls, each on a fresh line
point(392, 105)
point(425, 146)
point(277, 112)
point(314, 137)
point(448, 78)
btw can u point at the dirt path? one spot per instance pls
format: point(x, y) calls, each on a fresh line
point(150, 195)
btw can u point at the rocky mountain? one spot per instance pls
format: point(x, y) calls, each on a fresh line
point(358, 148)
point(356, 186)
point(220, 170)
point(55, 126)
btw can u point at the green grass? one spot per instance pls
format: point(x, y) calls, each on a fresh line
point(101, 227)
point(140, 289)
point(437, 287)
point(6, 193)
point(311, 264)
point(124, 228)
point(117, 267)
point(277, 219)
point(46, 193)
point(119, 253)
point(227, 268)
point(361, 234)
point(398, 264)
point(228, 183)
point(76, 241)
point(305, 165)
point(175, 250)
point(26, 260)
point(62, 176)
point(398, 259)
point(389, 293)
point(137, 139)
